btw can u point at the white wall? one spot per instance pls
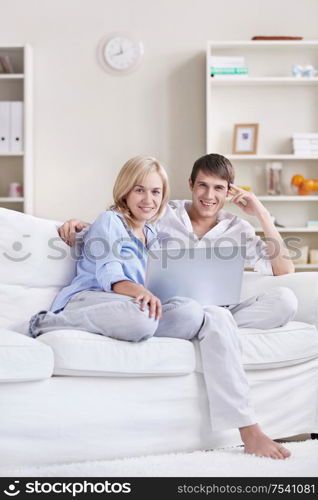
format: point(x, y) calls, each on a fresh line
point(88, 123)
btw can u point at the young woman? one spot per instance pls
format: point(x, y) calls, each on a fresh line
point(107, 295)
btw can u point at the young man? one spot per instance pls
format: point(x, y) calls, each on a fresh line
point(203, 220)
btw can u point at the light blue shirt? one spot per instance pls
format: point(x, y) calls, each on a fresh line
point(110, 253)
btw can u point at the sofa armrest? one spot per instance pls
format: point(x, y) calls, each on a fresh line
point(304, 285)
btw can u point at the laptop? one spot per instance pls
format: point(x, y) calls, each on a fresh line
point(211, 276)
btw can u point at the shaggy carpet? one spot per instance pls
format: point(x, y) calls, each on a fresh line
point(228, 462)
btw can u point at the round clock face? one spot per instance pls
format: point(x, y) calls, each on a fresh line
point(121, 53)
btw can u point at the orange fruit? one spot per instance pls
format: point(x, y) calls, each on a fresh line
point(303, 190)
point(297, 180)
point(315, 188)
point(308, 184)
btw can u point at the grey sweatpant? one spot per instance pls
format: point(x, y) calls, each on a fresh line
point(117, 316)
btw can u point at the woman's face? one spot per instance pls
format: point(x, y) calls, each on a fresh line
point(144, 199)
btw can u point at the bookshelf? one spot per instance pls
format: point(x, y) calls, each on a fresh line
point(265, 81)
point(281, 104)
point(18, 166)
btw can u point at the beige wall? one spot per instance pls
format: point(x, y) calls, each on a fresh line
point(87, 122)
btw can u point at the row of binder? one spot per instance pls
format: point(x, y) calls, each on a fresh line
point(11, 127)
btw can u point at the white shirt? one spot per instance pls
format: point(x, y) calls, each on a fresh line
point(176, 229)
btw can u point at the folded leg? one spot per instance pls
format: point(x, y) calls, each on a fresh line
point(270, 309)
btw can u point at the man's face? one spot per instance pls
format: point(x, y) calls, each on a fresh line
point(208, 194)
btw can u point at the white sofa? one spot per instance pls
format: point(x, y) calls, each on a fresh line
point(73, 396)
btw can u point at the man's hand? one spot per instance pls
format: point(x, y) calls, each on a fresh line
point(69, 229)
point(277, 251)
point(247, 201)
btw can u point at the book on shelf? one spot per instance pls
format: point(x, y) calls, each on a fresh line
point(6, 64)
point(223, 71)
point(305, 144)
point(306, 135)
point(305, 151)
point(227, 60)
point(223, 66)
point(313, 256)
point(11, 127)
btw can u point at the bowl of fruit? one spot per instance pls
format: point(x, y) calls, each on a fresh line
point(304, 186)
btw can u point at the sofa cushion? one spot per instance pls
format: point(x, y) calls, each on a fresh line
point(23, 358)
point(34, 265)
point(18, 303)
point(87, 354)
point(289, 345)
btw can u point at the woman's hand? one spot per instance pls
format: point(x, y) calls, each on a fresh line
point(69, 229)
point(147, 298)
point(140, 294)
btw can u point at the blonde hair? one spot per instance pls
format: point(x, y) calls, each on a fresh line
point(133, 173)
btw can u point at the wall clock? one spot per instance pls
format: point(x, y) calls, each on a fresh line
point(120, 53)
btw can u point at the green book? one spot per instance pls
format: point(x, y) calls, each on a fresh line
point(216, 70)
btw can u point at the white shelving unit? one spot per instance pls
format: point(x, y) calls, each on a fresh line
point(8, 76)
point(292, 229)
point(306, 267)
point(282, 198)
point(272, 157)
point(265, 81)
point(6, 199)
point(282, 105)
point(18, 167)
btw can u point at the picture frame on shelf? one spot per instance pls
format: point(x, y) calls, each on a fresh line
point(245, 138)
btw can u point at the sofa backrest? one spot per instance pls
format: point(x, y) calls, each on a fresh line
point(34, 265)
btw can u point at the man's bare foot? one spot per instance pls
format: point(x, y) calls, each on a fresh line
point(257, 443)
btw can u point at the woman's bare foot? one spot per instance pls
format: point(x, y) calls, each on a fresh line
point(257, 443)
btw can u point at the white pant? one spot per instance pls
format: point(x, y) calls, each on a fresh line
point(117, 316)
point(221, 351)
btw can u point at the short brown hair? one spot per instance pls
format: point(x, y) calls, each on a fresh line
point(213, 164)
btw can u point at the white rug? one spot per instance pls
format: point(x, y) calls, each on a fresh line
point(230, 462)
